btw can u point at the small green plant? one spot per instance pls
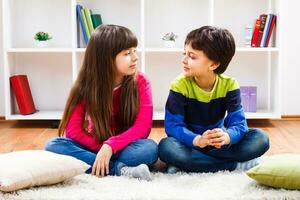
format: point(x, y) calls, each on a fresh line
point(169, 36)
point(42, 36)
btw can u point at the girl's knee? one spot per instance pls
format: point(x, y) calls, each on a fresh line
point(152, 149)
point(148, 150)
point(54, 143)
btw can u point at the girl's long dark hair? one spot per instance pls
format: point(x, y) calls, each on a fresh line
point(95, 82)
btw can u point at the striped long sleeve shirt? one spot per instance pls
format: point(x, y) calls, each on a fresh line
point(191, 111)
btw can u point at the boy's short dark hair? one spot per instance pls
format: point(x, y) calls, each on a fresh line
point(217, 44)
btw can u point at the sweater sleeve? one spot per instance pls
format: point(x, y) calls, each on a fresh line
point(75, 130)
point(175, 113)
point(174, 119)
point(143, 122)
point(235, 121)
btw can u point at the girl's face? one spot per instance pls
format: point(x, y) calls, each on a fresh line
point(196, 63)
point(126, 62)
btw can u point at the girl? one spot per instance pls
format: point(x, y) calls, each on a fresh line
point(108, 115)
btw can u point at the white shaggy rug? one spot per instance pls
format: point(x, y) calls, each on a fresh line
point(221, 185)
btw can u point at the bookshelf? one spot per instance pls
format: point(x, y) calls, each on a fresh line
point(52, 70)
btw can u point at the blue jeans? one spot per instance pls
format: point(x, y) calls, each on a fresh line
point(210, 159)
point(143, 151)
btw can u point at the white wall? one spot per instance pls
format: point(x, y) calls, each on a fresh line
point(2, 108)
point(290, 57)
point(290, 52)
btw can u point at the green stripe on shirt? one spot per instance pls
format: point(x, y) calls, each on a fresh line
point(188, 88)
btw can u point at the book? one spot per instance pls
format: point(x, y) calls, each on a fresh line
point(268, 29)
point(271, 29)
point(255, 33)
point(244, 97)
point(249, 98)
point(252, 93)
point(262, 44)
point(80, 19)
point(263, 19)
point(85, 24)
point(87, 13)
point(21, 89)
point(97, 20)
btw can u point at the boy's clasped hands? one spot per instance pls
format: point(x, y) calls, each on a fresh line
point(215, 137)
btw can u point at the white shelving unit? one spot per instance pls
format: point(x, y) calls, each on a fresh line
point(51, 71)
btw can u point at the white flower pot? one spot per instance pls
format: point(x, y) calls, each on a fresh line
point(42, 44)
point(169, 43)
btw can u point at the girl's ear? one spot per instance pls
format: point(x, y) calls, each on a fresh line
point(214, 65)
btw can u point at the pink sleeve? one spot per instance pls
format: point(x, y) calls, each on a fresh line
point(143, 123)
point(75, 130)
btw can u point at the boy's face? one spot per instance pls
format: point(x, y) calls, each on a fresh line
point(196, 63)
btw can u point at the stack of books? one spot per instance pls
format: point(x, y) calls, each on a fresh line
point(88, 21)
point(263, 30)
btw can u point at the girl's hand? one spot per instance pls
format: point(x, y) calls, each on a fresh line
point(101, 164)
point(218, 138)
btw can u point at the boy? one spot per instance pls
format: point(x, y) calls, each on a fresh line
point(204, 120)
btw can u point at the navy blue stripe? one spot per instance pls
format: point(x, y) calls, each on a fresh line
point(196, 112)
point(176, 103)
point(233, 99)
point(205, 113)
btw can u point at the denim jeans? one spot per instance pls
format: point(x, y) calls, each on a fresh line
point(143, 151)
point(210, 159)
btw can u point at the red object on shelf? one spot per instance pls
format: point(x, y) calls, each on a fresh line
point(255, 33)
point(23, 95)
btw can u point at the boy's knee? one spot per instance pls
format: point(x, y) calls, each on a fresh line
point(165, 145)
point(262, 140)
point(168, 151)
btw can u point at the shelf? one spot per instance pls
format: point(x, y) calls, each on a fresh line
point(82, 50)
point(61, 50)
point(39, 50)
point(251, 49)
point(52, 70)
point(164, 50)
point(40, 115)
point(159, 115)
point(238, 49)
point(261, 114)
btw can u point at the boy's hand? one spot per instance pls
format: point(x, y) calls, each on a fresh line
point(218, 138)
point(101, 164)
point(202, 140)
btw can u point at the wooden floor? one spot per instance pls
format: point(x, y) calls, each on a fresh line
point(23, 135)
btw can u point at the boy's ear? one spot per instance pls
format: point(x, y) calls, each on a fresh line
point(214, 65)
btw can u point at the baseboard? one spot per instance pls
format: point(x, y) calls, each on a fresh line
point(290, 117)
point(161, 122)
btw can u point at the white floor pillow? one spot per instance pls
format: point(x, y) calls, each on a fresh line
point(23, 169)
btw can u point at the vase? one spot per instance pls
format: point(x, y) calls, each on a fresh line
point(169, 43)
point(42, 44)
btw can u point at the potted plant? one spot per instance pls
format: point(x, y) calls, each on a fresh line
point(42, 38)
point(169, 39)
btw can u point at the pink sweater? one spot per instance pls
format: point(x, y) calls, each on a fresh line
point(140, 129)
